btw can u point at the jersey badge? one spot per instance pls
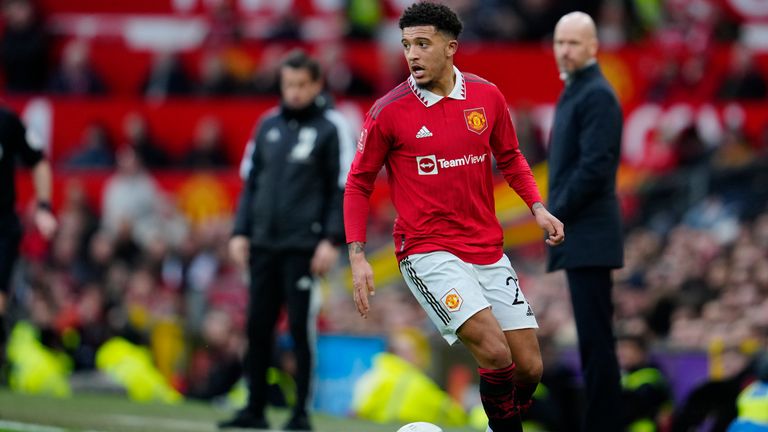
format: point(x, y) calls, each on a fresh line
point(452, 300)
point(476, 120)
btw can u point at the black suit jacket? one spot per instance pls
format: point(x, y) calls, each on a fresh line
point(583, 159)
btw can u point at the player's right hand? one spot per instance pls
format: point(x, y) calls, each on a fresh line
point(239, 249)
point(362, 284)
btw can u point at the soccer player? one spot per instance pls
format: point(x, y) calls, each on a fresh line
point(15, 143)
point(436, 133)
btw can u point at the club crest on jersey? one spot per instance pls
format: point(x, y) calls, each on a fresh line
point(452, 300)
point(476, 120)
point(427, 165)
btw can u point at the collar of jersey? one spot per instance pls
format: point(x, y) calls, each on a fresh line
point(428, 98)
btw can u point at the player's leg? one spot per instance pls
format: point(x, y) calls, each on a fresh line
point(264, 304)
point(515, 316)
point(524, 346)
point(483, 337)
point(299, 290)
point(448, 290)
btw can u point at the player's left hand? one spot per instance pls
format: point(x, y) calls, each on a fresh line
point(45, 222)
point(552, 225)
point(324, 259)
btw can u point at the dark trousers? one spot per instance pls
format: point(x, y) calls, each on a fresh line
point(593, 311)
point(277, 279)
point(10, 237)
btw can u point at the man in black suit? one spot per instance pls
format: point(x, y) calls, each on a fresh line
point(583, 159)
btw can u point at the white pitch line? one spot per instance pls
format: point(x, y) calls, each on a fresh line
point(30, 427)
point(184, 425)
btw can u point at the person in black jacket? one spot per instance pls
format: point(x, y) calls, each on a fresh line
point(288, 226)
point(583, 160)
point(16, 143)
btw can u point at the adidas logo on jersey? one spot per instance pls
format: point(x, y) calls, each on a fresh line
point(423, 133)
point(530, 311)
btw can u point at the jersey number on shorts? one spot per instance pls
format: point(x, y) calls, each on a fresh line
point(517, 291)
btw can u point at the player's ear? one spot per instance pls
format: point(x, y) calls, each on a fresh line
point(451, 48)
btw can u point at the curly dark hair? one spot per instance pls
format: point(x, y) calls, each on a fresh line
point(426, 13)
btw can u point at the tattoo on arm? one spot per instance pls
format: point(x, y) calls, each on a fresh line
point(356, 247)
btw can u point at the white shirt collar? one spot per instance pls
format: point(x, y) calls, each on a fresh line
point(428, 98)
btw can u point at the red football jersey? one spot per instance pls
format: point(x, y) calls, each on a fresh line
point(437, 152)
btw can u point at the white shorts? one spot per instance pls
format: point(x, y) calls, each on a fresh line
point(451, 291)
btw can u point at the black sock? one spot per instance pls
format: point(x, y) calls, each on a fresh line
point(523, 395)
point(497, 392)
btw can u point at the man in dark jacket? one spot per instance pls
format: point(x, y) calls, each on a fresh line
point(19, 145)
point(288, 226)
point(583, 159)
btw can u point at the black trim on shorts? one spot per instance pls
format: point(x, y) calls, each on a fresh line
point(436, 306)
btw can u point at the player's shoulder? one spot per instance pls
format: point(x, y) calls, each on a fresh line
point(471, 78)
point(478, 85)
point(394, 95)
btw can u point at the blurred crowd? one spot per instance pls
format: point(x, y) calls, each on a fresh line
point(37, 55)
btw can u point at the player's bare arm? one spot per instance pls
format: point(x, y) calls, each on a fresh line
point(549, 223)
point(362, 277)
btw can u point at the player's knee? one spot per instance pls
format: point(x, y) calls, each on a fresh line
point(529, 371)
point(496, 354)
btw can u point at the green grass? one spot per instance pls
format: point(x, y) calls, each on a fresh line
point(103, 413)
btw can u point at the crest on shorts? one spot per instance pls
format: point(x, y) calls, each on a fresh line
point(476, 120)
point(452, 300)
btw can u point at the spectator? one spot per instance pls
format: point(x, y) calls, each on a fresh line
point(753, 401)
point(94, 150)
point(76, 76)
point(206, 151)
point(713, 402)
point(342, 79)
point(744, 81)
point(138, 137)
point(130, 197)
point(166, 77)
point(225, 27)
point(224, 349)
point(645, 390)
point(23, 48)
point(265, 78)
point(215, 79)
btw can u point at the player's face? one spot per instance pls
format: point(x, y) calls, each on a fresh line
point(428, 53)
point(297, 87)
point(574, 46)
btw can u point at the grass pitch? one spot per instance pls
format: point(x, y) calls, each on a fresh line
point(104, 413)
